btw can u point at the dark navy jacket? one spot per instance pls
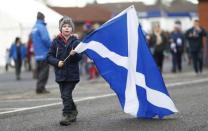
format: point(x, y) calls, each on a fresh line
point(59, 50)
point(179, 39)
point(195, 39)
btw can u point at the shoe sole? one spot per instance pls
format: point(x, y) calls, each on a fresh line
point(74, 120)
point(65, 124)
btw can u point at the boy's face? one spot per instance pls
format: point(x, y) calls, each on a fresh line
point(66, 30)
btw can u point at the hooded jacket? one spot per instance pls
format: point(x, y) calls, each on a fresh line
point(41, 40)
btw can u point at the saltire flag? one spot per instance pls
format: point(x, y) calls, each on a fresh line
point(119, 51)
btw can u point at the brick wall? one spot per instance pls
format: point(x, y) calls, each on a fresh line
point(203, 13)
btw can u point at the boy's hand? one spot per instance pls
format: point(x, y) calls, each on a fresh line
point(60, 64)
point(75, 35)
point(72, 52)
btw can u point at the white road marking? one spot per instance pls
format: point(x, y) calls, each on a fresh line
point(3, 109)
point(58, 103)
point(31, 100)
point(187, 82)
point(184, 74)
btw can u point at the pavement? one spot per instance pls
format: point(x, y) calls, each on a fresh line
point(21, 109)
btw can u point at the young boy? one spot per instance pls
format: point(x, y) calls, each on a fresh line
point(66, 70)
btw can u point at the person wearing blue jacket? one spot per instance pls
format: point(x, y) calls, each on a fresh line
point(18, 53)
point(66, 67)
point(41, 43)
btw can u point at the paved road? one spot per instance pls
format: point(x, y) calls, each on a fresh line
point(21, 109)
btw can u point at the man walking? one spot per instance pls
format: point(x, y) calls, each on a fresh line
point(18, 53)
point(177, 42)
point(41, 43)
point(196, 37)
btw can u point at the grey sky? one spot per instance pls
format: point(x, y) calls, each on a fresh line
point(83, 2)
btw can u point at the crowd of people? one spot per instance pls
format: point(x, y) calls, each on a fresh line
point(192, 43)
point(178, 43)
point(34, 54)
point(43, 51)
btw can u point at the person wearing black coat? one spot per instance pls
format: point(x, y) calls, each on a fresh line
point(158, 40)
point(196, 37)
point(66, 68)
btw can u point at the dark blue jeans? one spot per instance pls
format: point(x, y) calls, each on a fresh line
point(66, 89)
point(177, 61)
point(18, 65)
point(197, 58)
point(42, 75)
point(159, 58)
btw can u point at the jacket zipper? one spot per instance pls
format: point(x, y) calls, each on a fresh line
point(57, 52)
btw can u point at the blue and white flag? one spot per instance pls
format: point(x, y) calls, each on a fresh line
point(120, 52)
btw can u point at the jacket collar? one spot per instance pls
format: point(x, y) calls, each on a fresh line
point(41, 22)
point(61, 37)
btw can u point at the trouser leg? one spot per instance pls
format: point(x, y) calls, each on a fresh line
point(42, 75)
point(66, 89)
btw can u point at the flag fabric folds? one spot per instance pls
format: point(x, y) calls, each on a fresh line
point(120, 52)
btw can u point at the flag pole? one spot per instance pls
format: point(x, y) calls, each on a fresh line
point(67, 58)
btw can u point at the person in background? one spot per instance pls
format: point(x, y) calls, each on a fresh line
point(18, 53)
point(89, 65)
point(41, 43)
point(148, 39)
point(30, 57)
point(8, 60)
point(196, 37)
point(206, 51)
point(177, 44)
point(29, 52)
point(159, 42)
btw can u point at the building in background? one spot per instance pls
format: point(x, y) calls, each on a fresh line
point(18, 21)
point(88, 14)
point(203, 19)
point(165, 15)
point(203, 15)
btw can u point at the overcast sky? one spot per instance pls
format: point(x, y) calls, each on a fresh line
point(83, 2)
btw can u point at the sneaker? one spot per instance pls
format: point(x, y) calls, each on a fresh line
point(73, 116)
point(42, 91)
point(65, 120)
point(45, 91)
point(18, 78)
